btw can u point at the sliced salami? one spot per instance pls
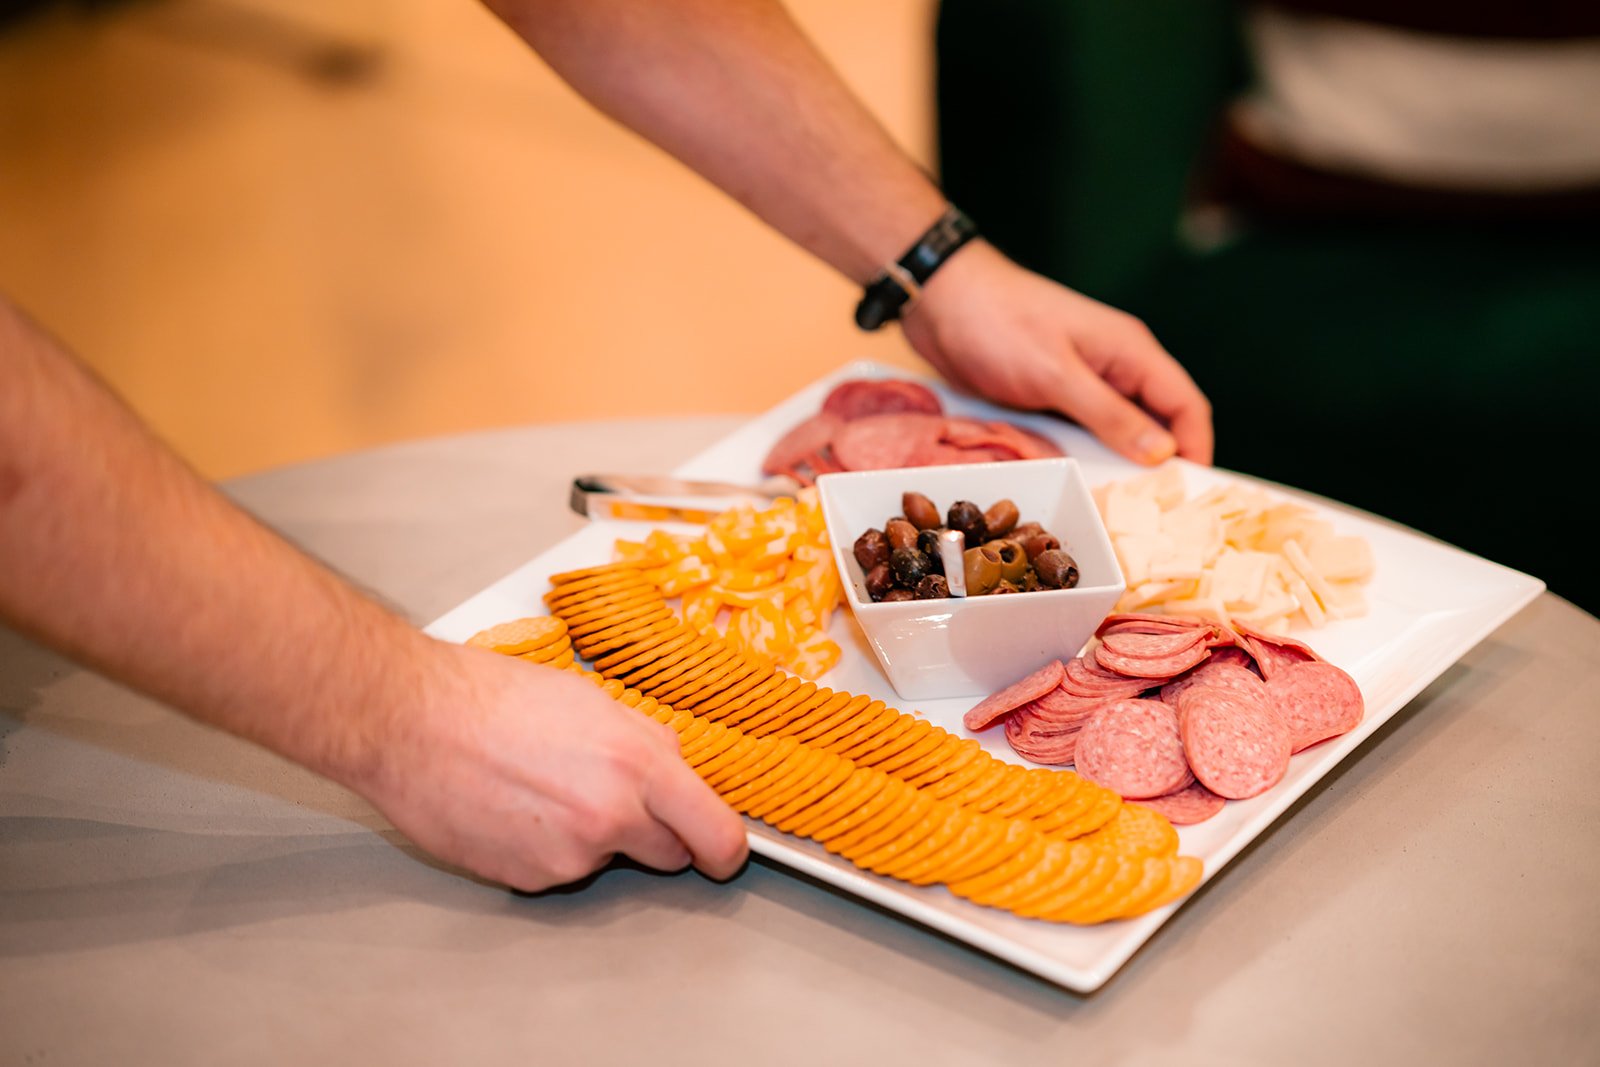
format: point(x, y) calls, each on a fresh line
point(1152, 668)
point(1038, 742)
point(1224, 673)
point(1316, 700)
point(1192, 804)
point(862, 397)
point(1133, 748)
point(1151, 646)
point(1237, 747)
point(802, 445)
point(1013, 696)
point(879, 442)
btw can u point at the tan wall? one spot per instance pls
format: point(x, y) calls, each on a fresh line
point(273, 268)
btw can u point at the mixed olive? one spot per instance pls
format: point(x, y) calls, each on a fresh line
point(903, 561)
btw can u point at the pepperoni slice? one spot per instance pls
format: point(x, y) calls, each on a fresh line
point(1194, 803)
point(1237, 746)
point(1038, 742)
point(798, 447)
point(879, 442)
point(1151, 646)
point(861, 397)
point(1317, 701)
point(1013, 696)
point(1133, 748)
point(1224, 673)
point(1164, 669)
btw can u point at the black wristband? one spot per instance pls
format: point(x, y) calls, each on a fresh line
point(899, 283)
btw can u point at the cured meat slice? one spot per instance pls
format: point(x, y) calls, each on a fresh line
point(1227, 674)
point(1153, 668)
point(799, 446)
point(1038, 742)
point(1013, 696)
point(1086, 678)
point(1273, 651)
point(1194, 803)
point(1151, 646)
point(1133, 748)
point(1236, 746)
point(879, 442)
point(1061, 707)
point(1316, 700)
point(860, 397)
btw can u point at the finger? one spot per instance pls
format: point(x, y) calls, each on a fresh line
point(711, 831)
point(1122, 425)
point(653, 844)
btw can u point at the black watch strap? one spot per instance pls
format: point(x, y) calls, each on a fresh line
point(900, 282)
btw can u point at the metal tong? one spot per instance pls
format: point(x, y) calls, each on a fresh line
point(662, 498)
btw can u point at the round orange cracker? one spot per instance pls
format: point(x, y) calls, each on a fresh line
point(949, 823)
point(620, 661)
point(952, 756)
point(974, 836)
point(907, 740)
point(737, 681)
point(905, 809)
point(1102, 811)
point(910, 825)
point(1084, 910)
point(881, 798)
point(678, 659)
point(1054, 858)
point(1157, 872)
point(757, 723)
point(583, 624)
point(745, 751)
point(589, 591)
point(517, 636)
point(612, 566)
point(724, 704)
point(623, 635)
point(892, 735)
point(1002, 874)
point(1012, 838)
point(961, 776)
point(1137, 831)
point(802, 770)
point(854, 791)
point(970, 795)
point(870, 720)
point(694, 685)
point(908, 843)
point(838, 775)
point(1091, 869)
point(828, 717)
point(773, 753)
point(822, 701)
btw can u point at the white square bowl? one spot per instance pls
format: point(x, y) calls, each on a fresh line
point(973, 646)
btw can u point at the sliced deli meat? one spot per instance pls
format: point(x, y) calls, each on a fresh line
point(1237, 747)
point(1133, 748)
point(860, 397)
point(1013, 696)
point(1317, 701)
point(1192, 804)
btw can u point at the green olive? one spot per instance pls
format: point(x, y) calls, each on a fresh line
point(982, 568)
point(1013, 560)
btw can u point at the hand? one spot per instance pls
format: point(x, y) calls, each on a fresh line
point(532, 777)
point(1022, 340)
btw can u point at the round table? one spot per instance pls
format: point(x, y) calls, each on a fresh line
point(171, 895)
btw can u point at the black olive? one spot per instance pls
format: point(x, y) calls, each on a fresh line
point(896, 595)
point(879, 581)
point(1034, 544)
point(933, 587)
point(871, 549)
point(909, 567)
point(928, 545)
point(1056, 569)
point(965, 516)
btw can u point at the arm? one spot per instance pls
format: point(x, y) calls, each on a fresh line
point(118, 555)
point(733, 89)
